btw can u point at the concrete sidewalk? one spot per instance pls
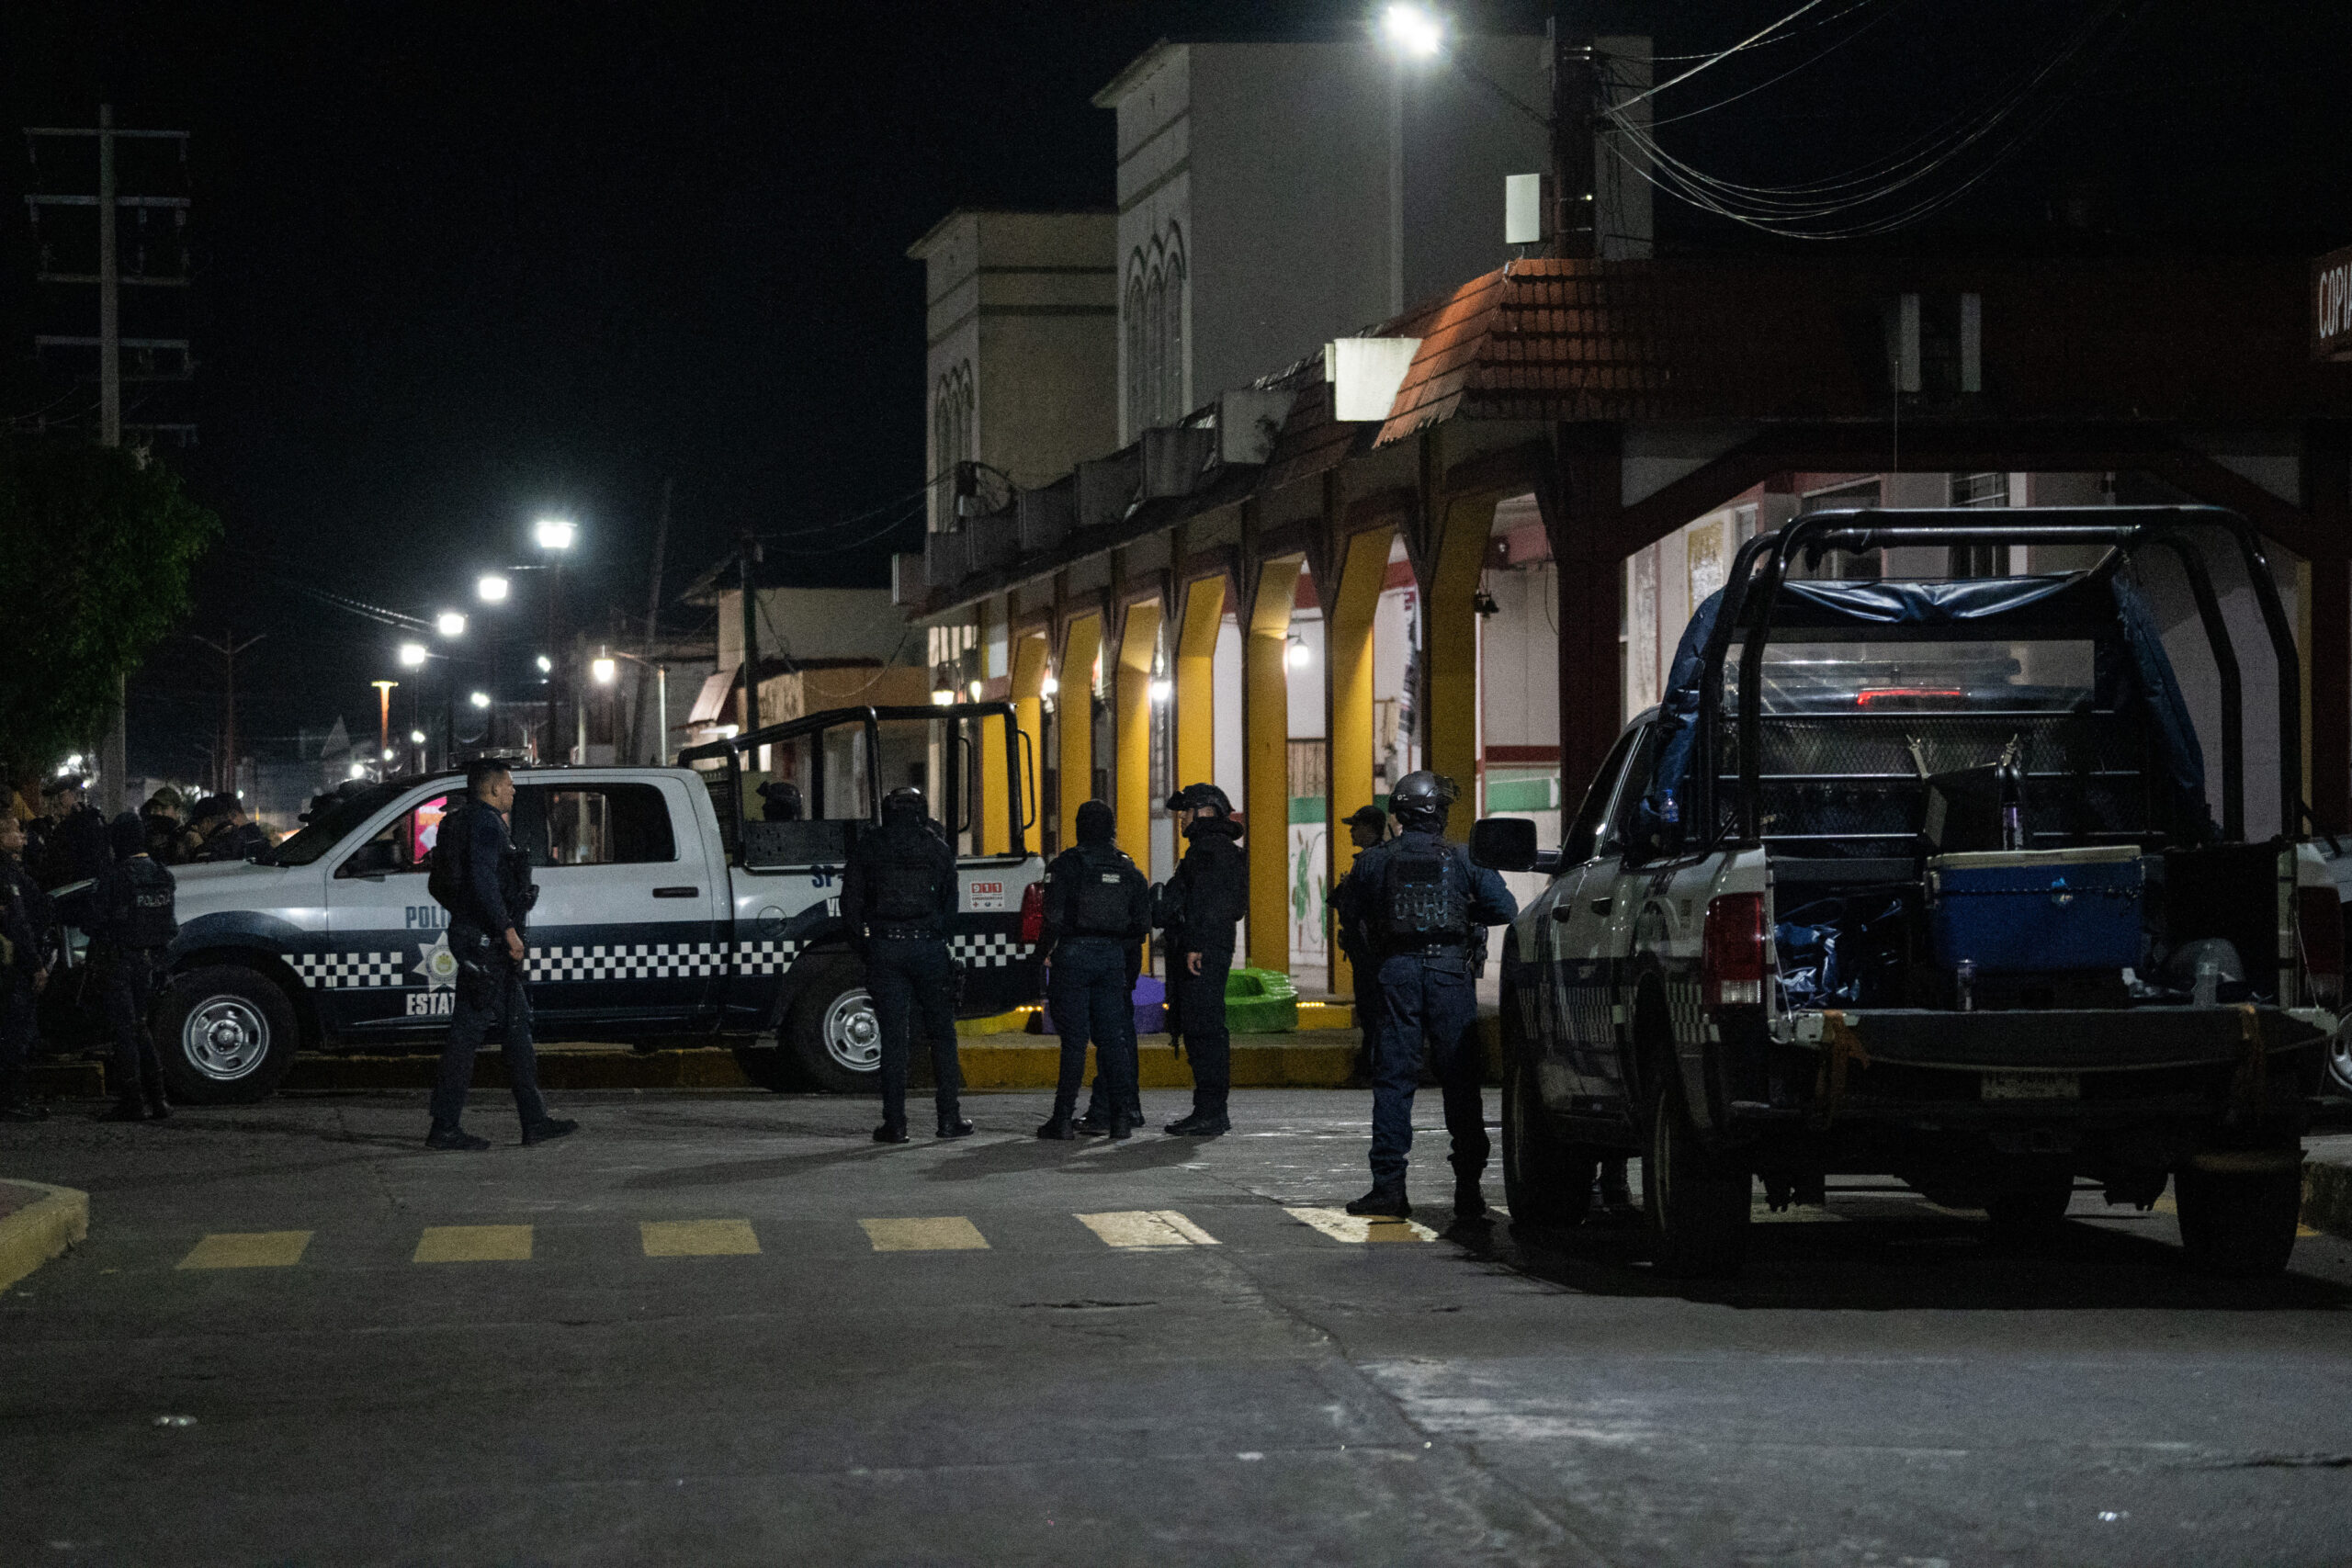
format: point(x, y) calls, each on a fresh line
point(2327, 1184)
point(37, 1222)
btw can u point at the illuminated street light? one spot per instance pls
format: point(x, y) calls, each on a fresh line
point(411, 655)
point(480, 699)
point(976, 688)
point(602, 668)
point(554, 533)
point(448, 622)
point(547, 665)
point(416, 738)
point(387, 753)
point(1413, 31)
point(358, 770)
point(491, 589)
point(942, 696)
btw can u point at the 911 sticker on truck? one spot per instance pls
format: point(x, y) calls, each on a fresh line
point(986, 896)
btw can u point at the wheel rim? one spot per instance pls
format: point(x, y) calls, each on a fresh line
point(225, 1038)
point(853, 1033)
point(2339, 1060)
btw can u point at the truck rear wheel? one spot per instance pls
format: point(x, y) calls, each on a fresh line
point(1547, 1181)
point(226, 1035)
point(2239, 1224)
point(1697, 1201)
point(834, 1034)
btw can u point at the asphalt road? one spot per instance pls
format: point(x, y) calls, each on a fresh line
point(296, 1336)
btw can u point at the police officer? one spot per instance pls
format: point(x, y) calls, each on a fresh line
point(132, 920)
point(780, 801)
point(1367, 828)
point(486, 887)
point(1203, 902)
point(23, 970)
point(76, 846)
point(1421, 900)
point(897, 896)
point(1098, 911)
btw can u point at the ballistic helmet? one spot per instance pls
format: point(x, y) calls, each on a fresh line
point(1197, 796)
point(904, 800)
point(1095, 823)
point(1421, 800)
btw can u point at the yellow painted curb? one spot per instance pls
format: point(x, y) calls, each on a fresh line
point(41, 1229)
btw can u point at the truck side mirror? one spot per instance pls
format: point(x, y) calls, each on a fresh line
point(1503, 843)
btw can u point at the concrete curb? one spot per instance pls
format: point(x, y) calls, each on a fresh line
point(2327, 1187)
point(37, 1222)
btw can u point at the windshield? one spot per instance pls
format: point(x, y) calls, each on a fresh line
point(329, 828)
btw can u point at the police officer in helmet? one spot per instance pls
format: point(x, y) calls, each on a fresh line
point(1367, 828)
point(897, 896)
point(133, 919)
point(1422, 902)
point(1098, 911)
point(1198, 909)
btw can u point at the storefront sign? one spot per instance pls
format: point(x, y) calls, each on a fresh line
point(2332, 306)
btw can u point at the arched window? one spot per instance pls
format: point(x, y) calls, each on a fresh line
point(1138, 368)
point(1172, 332)
point(1155, 318)
point(951, 440)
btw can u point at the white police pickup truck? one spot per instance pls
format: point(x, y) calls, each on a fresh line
point(1922, 878)
point(667, 910)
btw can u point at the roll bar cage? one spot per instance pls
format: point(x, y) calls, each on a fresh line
point(870, 719)
point(1762, 566)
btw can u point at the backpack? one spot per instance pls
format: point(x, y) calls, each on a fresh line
point(1423, 891)
point(905, 879)
point(444, 863)
point(148, 919)
point(1104, 904)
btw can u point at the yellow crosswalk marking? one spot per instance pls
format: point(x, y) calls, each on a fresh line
point(1341, 1225)
point(1146, 1227)
point(248, 1250)
point(473, 1244)
point(954, 1234)
point(698, 1238)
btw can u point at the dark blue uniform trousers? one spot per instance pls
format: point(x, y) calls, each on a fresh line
point(497, 1003)
point(130, 997)
point(914, 982)
point(1091, 1000)
point(1200, 1008)
point(19, 1029)
point(1426, 1000)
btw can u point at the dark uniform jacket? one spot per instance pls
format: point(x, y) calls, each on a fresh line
point(1210, 891)
point(495, 886)
point(134, 907)
point(1093, 869)
point(40, 913)
point(233, 845)
point(905, 866)
point(76, 850)
point(24, 940)
point(1362, 892)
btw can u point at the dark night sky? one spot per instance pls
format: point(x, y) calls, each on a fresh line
point(458, 265)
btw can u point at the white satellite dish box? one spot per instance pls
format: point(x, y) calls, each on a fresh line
point(1524, 209)
point(1365, 373)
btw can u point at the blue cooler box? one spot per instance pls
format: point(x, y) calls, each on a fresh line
point(2036, 911)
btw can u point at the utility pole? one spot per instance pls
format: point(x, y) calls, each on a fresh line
point(384, 717)
point(1576, 90)
point(114, 760)
point(227, 648)
point(653, 621)
point(747, 551)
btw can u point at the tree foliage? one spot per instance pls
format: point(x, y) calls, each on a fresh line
point(96, 548)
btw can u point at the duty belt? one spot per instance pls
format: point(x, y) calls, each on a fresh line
point(904, 933)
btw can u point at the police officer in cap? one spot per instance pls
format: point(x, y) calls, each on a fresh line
point(1098, 911)
point(1200, 906)
point(76, 847)
point(897, 896)
point(133, 919)
point(1367, 828)
point(1422, 900)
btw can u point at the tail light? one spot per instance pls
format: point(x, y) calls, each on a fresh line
point(1033, 913)
point(2319, 928)
point(1733, 953)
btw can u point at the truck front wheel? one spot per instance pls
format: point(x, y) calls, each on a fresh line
point(1697, 1201)
point(226, 1036)
point(834, 1036)
point(1547, 1181)
point(2239, 1224)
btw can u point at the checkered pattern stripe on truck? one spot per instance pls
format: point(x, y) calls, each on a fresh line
point(346, 971)
point(630, 961)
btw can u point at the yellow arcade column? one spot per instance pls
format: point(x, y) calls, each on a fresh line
point(992, 830)
point(1029, 718)
point(1074, 758)
point(1450, 632)
point(1196, 682)
point(1348, 619)
point(1265, 760)
point(1131, 720)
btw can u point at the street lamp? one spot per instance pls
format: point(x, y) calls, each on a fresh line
point(554, 533)
point(602, 668)
point(490, 587)
point(554, 536)
point(547, 665)
point(450, 623)
point(1413, 31)
point(480, 699)
point(416, 738)
point(411, 655)
point(660, 668)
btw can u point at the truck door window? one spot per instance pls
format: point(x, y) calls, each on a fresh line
point(1584, 834)
point(610, 824)
point(1618, 831)
point(401, 845)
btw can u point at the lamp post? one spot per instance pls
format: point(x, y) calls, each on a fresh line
point(606, 670)
point(412, 657)
point(554, 536)
point(384, 716)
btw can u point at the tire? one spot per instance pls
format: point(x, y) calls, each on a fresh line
point(1547, 1181)
point(2238, 1225)
point(1697, 1203)
point(833, 1036)
point(227, 1036)
point(2035, 1210)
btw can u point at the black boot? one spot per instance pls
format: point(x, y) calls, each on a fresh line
point(1058, 1127)
point(1385, 1200)
point(1090, 1125)
point(953, 1125)
point(455, 1138)
point(1121, 1128)
point(1469, 1202)
point(1201, 1125)
point(890, 1133)
point(548, 1127)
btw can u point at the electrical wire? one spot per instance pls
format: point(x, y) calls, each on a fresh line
point(1711, 62)
point(1805, 64)
point(1788, 37)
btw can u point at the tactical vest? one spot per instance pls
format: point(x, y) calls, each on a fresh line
point(1425, 892)
point(146, 915)
point(444, 863)
point(1103, 904)
point(904, 877)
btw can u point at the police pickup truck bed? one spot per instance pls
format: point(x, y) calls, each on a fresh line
point(1920, 878)
point(663, 913)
